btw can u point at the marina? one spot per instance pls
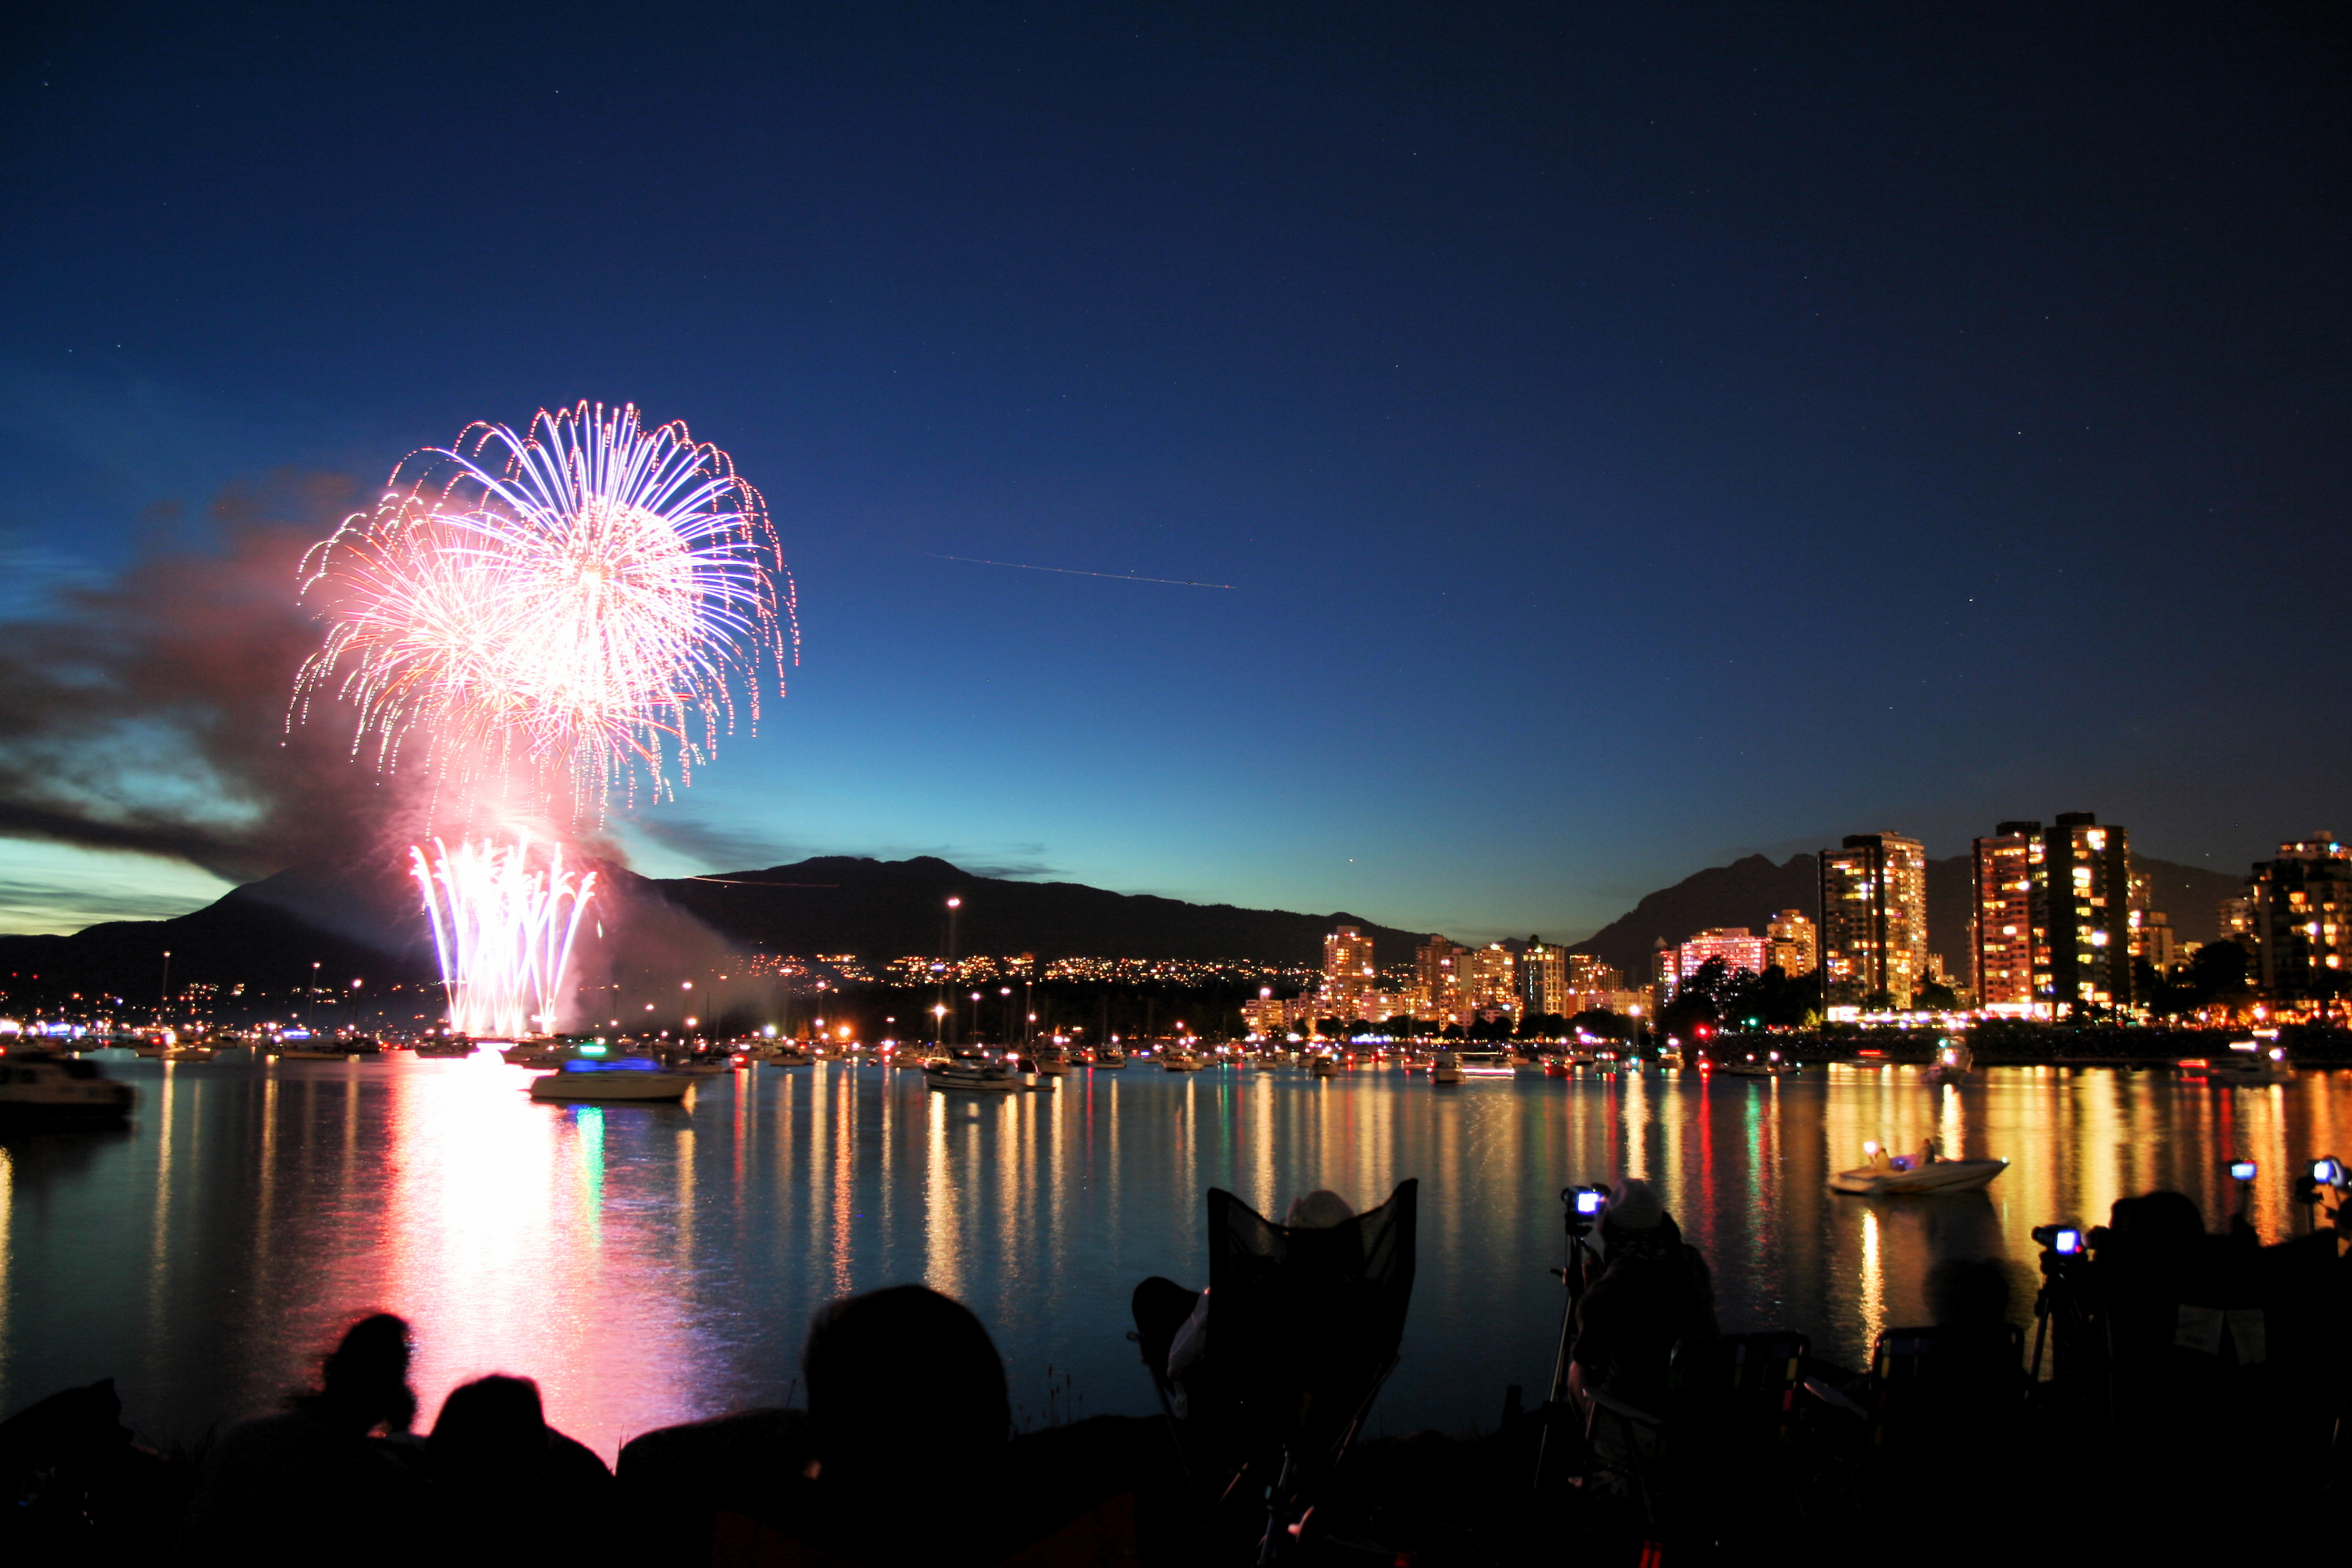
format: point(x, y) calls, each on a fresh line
point(655, 1262)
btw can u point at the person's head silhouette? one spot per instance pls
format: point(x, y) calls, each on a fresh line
point(899, 1371)
point(491, 1429)
point(365, 1383)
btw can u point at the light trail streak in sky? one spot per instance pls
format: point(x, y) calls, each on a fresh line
point(1072, 571)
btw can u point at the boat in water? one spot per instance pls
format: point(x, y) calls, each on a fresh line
point(1052, 1062)
point(1323, 1066)
point(1750, 1066)
point(2248, 1062)
point(1889, 1175)
point(49, 1090)
point(1953, 1064)
point(454, 1047)
point(536, 1054)
point(972, 1075)
point(638, 1080)
point(1180, 1061)
point(1444, 1068)
point(1113, 1058)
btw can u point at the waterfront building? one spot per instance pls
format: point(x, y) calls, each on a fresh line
point(2153, 940)
point(1437, 980)
point(2008, 864)
point(1347, 971)
point(1267, 1013)
point(1543, 977)
point(1873, 924)
point(1792, 943)
point(1737, 947)
point(1488, 983)
point(2053, 918)
point(1594, 983)
point(2234, 920)
point(2299, 914)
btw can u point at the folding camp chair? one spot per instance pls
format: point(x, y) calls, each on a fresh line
point(1303, 1331)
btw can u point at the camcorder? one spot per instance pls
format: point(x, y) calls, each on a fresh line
point(2326, 1176)
point(2058, 1240)
point(1585, 1206)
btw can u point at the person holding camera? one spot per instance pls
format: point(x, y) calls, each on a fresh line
point(1651, 1291)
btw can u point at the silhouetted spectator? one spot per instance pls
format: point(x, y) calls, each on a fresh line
point(312, 1482)
point(507, 1486)
point(1653, 1291)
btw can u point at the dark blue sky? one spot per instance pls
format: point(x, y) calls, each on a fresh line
point(1638, 435)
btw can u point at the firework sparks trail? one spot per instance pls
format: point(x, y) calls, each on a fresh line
point(503, 931)
point(550, 618)
point(572, 610)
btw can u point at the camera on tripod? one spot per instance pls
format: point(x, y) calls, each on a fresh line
point(2058, 1240)
point(1585, 1206)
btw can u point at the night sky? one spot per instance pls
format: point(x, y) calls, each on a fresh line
point(1636, 435)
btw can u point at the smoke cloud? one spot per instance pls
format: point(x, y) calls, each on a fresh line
point(149, 713)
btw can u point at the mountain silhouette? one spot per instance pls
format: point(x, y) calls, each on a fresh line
point(362, 917)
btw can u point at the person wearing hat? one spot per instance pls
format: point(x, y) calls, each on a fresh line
point(1653, 1290)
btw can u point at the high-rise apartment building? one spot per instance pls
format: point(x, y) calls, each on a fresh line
point(2300, 913)
point(1347, 971)
point(2008, 869)
point(1437, 980)
point(1487, 980)
point(1543, 971)
point(2055, 926)
point(1873, 925)
point(1792, 943)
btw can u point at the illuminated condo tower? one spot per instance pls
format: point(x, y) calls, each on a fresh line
point(1347, 971)
point(2053, 924)
point(1873, 924)
point(1543, 977)
point(2299, 907)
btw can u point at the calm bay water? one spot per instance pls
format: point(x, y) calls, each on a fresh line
point(655, 1264)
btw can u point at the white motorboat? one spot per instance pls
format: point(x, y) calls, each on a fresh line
point(1323, 1066)
point(971, 1077)
point(630, 1078)
point(1113, 1058)
point(1052, 1062)
point(39, 1088)
point(1444, 1068)
point(1888, 1175)
point(1180, 1061)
